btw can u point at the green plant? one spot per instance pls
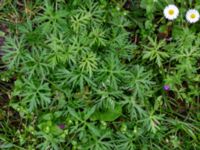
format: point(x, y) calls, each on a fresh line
point(92, 75)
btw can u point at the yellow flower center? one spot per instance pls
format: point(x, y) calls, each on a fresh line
point(193, 16)
point(171, 11)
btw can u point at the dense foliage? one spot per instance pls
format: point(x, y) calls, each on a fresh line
point(98, 75)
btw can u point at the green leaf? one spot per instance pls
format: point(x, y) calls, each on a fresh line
point(94, 130)
point(89, 113)
point(6, 146)
point(74, 114)
point(108, 115)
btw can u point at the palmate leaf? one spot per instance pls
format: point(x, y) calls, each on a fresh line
point(34, 94)
point(74, 114)
point(120, 44)
point(141, 81)
point(187, 59)
point(87, 114)
point(52, 19)
point(134, 108)
point(14, 52)
point(103, 142)
point(78, 78)
point(119, 39)
point(120, 22)
point(63, 51)
point(186, 67)
point(185, 38)
point(61, 76)
point(112, 72)
point(79, 20)
point(59, 52)
point(154, 52)
point(36, 64)
point(108, 114)
point(33, 37)
point(106, 97)
point(84, 122)
point(88, 63)
point(127, 140)
point(182, 53)
point(152, 121)
point(79, 44)
point(88, 14)
point(48, 140)
point(98, 36)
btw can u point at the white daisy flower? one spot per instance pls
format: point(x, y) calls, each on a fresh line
point(192, 16)
point(171, 12)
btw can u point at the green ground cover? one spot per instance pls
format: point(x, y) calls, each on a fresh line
point(99, 75)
